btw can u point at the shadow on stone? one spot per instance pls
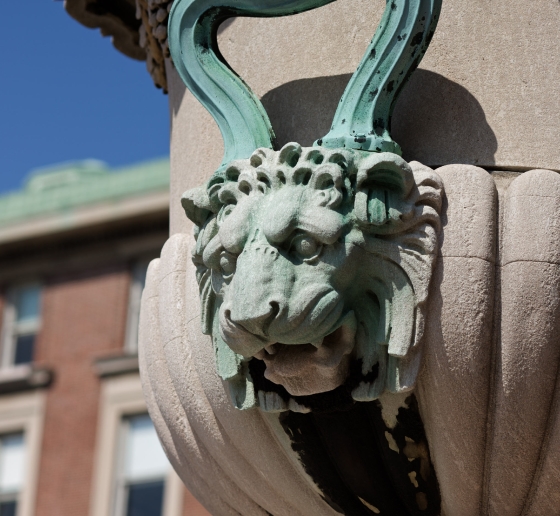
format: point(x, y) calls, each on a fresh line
point(302, 111)
point(436, 121)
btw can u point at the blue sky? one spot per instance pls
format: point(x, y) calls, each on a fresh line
point(67, 94)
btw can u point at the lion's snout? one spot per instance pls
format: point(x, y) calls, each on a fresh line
point(260, 289)
point(256, 320)
point(268, 301)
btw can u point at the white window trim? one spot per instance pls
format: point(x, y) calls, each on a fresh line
point(120, 397)
point(120, 499)
point(9, 330)
point(134, 298)
point(25, 413)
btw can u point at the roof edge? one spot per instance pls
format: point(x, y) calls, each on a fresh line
point(86, 216)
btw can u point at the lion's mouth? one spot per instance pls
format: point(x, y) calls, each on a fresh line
point(311, 368)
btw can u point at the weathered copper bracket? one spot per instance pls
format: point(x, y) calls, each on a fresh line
point(363, 118)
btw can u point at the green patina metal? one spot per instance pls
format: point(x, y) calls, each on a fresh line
point(69, 186)
point(363, 119)
point(193, 26)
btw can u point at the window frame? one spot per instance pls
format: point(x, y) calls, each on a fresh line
point(137, 273)
point(121, 484)
point(10, 329)
point(24, 413)
point(15, 495)
point(122, 397)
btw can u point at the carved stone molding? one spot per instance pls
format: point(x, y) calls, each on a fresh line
point(153, 37)
point(116, 19)
point(488, 390)
point(258, 462)
point(138, 29)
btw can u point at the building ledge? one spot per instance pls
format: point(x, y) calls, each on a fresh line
point(84, 217)
point(116, 365)
point(23, 378)
point(115, 18)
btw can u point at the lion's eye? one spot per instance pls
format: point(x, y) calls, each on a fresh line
point(228, 263)
point(224, 212)
point(305, 247)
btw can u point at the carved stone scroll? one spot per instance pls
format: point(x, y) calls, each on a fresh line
point(153, 37)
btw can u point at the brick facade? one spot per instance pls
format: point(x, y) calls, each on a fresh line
point(192, 507)
point(85, 268)
point(83, 318)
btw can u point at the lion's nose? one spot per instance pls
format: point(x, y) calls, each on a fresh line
point(256, 322)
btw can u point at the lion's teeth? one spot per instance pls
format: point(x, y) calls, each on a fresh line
point(271, 349)
point(317, 344)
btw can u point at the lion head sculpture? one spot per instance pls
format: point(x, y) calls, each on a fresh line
point(314, 266)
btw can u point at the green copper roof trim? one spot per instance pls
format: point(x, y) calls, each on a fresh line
point(363, 118)
point(75, 185)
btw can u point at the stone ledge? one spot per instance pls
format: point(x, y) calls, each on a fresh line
point(23, 378)
point(137, 28)
point(116, 365)
point(115, 18)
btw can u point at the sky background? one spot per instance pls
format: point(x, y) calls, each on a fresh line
point(67, 94)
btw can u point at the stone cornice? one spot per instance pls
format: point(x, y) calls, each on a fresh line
point(138, 28)
point(115, 18)
point(153, 37)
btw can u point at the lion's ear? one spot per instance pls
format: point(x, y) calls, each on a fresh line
point(196, 204)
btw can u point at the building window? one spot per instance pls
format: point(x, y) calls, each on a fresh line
point(129, 455)
point(22, 320)
point(143, 469)
point(137, 284)
point(12, 461)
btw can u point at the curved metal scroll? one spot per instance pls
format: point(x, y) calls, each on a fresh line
point(362, 120)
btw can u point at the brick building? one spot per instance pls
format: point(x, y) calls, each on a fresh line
point(75, 438)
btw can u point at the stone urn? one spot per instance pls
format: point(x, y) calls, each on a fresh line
point(348, 332)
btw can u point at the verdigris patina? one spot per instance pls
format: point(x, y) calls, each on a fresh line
point(314, 261)
point(363, 118)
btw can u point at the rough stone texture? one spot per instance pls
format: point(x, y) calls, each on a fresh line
point(153, 37)
point(489, 74)
point(454, 385)
point(528, 357)
point(485, 95)
point(278, 284)
point(196, 147)
point(545, 493)
point(489, 398)
point(488, 392)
